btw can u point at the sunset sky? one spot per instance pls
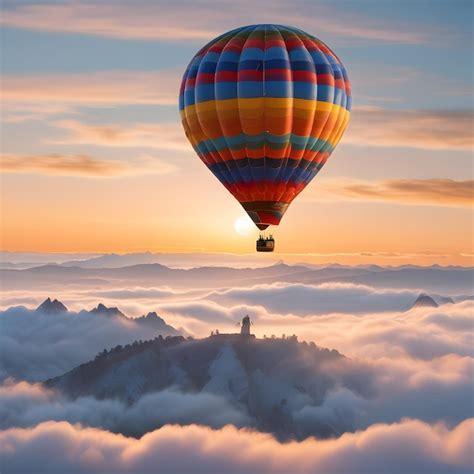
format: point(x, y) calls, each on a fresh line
point(94, 158)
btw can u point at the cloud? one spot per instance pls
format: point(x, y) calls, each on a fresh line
point(18, 112)
point(400, 401)
point(317, 312)
point(165, 136)
point(25, 405)
point(301, 299)
point(434, 192)
point(81, 165)
point(222, 389)
point(25, 95)
point(420, 333)
point(37, 345)
point(409, 446)
point(415, 364)
point(170, 22)
point(114, 20)
point(430, 390)
point(324, 395)
point(431, 130)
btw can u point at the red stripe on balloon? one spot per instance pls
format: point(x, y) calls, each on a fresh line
point(250, 75)
point(226, 76)
point(277, 75)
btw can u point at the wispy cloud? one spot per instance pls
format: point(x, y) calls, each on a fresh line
point(436, 192)
point(351, 26)
point(201, 21)
point(117, 20)
point(432, 130)
point(110, 88)
point(168, 136)
point(19, 112)
point(81, 165)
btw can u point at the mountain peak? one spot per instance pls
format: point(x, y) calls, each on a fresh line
point(153, 316)
point(51, 307)
point(102, 309)
point(153, 321)
point(425, 301)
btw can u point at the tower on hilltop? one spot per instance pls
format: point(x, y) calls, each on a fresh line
point(245, 327)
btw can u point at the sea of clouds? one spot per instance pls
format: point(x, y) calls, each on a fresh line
point(416, 414)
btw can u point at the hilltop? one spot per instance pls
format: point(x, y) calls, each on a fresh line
point(269, 380)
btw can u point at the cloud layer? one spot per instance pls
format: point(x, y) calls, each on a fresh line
point(304, 299)
point(37, 345)
point(24, 405)
point(414, 414)
point(409, 446)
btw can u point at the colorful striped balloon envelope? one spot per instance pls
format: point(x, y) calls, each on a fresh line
point(264, 106)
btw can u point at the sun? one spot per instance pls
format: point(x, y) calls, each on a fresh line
point(243, 225)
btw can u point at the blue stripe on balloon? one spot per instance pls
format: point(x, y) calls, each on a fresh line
point(237, 142)
point(304, 90)
point(254, 89)
point(250, 64)
point(229, 56)
point(189, 97)
point(302, 66)
point(265, 169)
point(249, 89)
point(280, 89)
point(227, 66)
point(250, 53)
point(349, 103)
point(300, 54)
point(226, 90)
point(207, 67)
point(277, 64)
point(205, 92)
point(212, 56)
point(327, 93)
point(276, 53)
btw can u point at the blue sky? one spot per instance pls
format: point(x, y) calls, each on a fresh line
point(72, 68)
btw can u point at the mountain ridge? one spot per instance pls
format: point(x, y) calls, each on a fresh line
point(451, 280)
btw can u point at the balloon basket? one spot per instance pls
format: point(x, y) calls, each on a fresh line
point(265, 244)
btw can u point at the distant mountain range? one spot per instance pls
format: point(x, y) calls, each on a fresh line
point(276, 383)
point(450, 280)
point(21, 260)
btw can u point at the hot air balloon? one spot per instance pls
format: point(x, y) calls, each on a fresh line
point(264, 107)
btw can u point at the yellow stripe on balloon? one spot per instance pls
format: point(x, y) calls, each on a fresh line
point(259, 103)
point(206, 120)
